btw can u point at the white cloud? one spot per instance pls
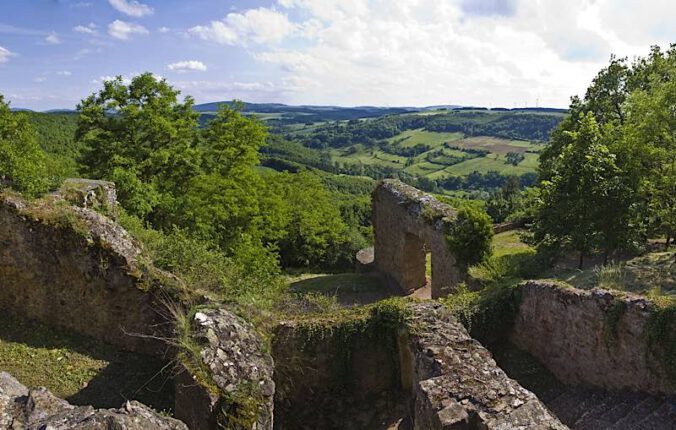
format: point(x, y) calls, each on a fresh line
point(126, 80)
point(412, 52)
point(52, 39)
point(131, 8)
point(259, 26)
point(4, 55)
point(40, 79)
point(88, 29)
point(64, 73)
point(123, 30)
point(190, 65)
point(163, 29)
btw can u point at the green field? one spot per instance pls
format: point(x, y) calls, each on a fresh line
point(411, 138)
point(441, 161)
point(493, 162)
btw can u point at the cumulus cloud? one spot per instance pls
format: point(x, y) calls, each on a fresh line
point(131, 8)
point(124, 30)
point(53, 39)
point(85, 29)
point(185, 66)
point(64, 73)
point(4, 55)
point(490, 52)
point(260, 26)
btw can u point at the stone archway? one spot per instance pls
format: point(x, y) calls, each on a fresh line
point(407, 223)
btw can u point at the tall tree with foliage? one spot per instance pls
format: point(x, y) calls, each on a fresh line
point(577, 201)
point(143, 138)
point(225, 201)
point(650, 139)
point(22, 162)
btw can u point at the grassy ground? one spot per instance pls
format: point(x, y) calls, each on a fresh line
point(652, 274)
point(82, 370)
point(347, 289)
point(495, 162)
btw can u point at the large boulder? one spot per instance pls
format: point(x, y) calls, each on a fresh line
point(21, 408)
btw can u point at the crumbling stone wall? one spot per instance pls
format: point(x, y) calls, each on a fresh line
point(442, 378)
point(408, 223)
point(240, 394)
point(592, 337)
point(457, 384)
point(21, 408)
point(333, 375)
point(75, 268)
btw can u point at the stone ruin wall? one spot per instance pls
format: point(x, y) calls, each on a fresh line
point(407, 224)
point(334, 377)
point(594, 337)
point(86, 279)
point(74, 268)
point(443, 378)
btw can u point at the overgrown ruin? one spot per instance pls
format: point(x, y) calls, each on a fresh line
point(395, 364)
point(408, 224)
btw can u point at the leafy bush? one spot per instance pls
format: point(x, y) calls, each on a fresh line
point(470, 236)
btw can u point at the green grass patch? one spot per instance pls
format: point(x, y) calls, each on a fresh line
point(82, 370)
point(325, 291)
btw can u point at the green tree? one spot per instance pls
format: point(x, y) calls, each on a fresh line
point(22, 162)
point(651, 143)
point(579, 202)
point(143, 138)
point(225, 201)
point(314, 233)
point(470, 236)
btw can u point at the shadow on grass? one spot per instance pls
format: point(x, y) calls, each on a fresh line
point(349, 289)
point(80, 369)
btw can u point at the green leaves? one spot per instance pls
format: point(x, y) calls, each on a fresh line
point(470, 236)
point(22, 162)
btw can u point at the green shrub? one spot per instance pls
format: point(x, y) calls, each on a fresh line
point(470, 236)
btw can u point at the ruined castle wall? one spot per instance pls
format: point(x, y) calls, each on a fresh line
point(458, 384)
point(332, 377)
point(441, 377)
point(407, 224)
point(74, 268)
point(592, 337)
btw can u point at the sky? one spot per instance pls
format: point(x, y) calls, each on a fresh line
point(507, 53)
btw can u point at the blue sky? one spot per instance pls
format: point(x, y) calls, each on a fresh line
point(346, 52)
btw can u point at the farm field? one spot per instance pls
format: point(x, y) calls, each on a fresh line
point(410, 138)
point(442, 158)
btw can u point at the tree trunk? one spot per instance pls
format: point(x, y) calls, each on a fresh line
point(668, 242)
point(606, 252)
point(580, 264)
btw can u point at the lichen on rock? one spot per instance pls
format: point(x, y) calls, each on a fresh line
point(21, 408)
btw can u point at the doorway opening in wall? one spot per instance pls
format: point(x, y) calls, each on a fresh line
point(414, 278)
